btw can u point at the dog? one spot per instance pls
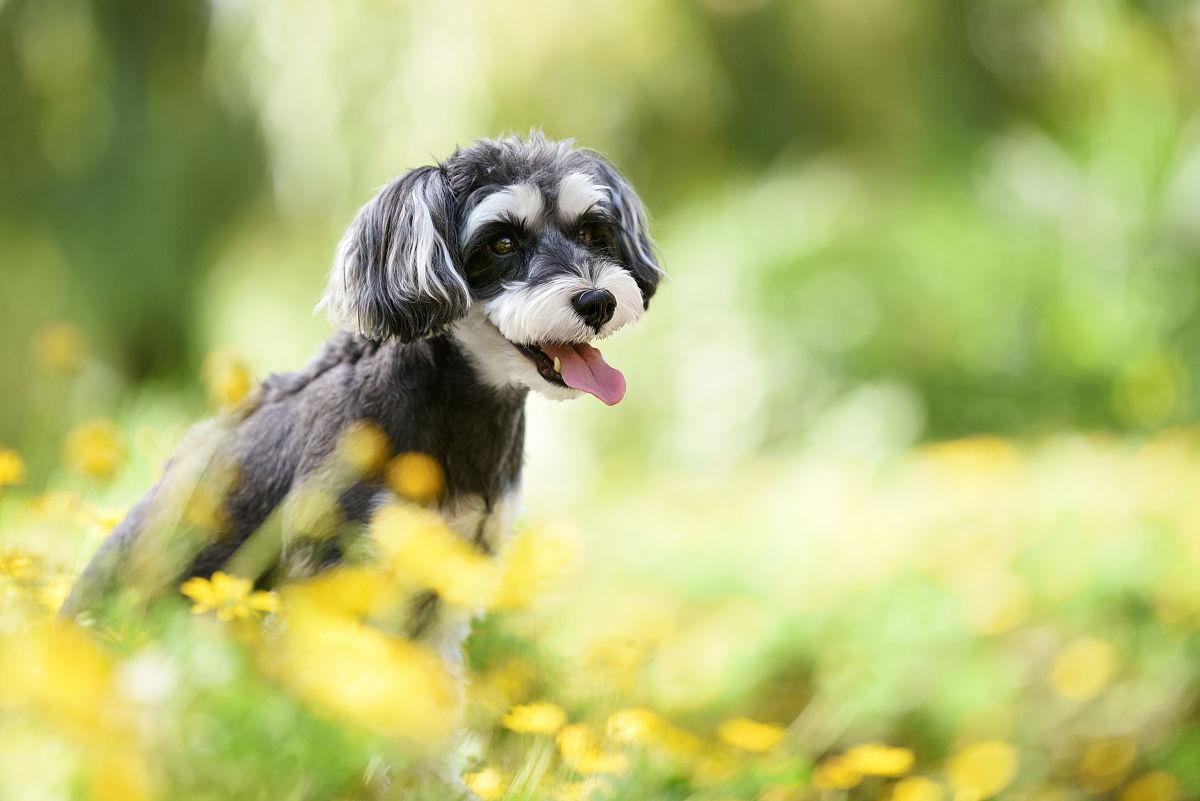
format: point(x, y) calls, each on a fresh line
point(459, 288)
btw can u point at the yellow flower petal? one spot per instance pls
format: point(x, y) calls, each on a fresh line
point(488, 784)
point(917, 788)
point(94, 449)
point(982, 769)
point(12, 468)
point(750, 735)
point(199, 590)
point(877, 759)
point(1083, 668)
point(543, 718)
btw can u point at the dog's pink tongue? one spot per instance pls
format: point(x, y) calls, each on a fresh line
point(584, 368)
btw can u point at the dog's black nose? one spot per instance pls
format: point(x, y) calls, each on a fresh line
point(595, 306)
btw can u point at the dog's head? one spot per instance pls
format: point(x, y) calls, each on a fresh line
point(524, 250)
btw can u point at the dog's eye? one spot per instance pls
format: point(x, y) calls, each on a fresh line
point(502, 246)
point(587, 234)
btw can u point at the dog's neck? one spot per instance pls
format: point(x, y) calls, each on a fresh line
point(473, 428)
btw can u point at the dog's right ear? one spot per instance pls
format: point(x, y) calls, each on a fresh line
point(394, 274)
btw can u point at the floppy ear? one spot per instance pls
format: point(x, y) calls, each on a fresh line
point(637, 249)
point(394, 275)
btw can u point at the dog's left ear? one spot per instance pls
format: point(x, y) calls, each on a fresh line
point(637, 248)
point(394, 274)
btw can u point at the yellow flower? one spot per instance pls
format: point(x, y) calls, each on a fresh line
point(227, 377)
point(55, 591)
point(750, 735)
point(488, 783)
point(581, 751)
point(231, 597)
point(363, 447)
point(12, 468)
point(102, 518)
point(1106, 763)
point(917, 788)
point(835, 773)
point(982, 769)
point(636, 725)
point(59, 348)
point(58, 670)
point(877, 759)
point(16, 565)
point(94, 449)
point(119, 777)
point(1157, 785)
point(416, 477)
point(1083, 668)
point(350, 670)
point(534, 563)
point(543, 718)
point(422, 551)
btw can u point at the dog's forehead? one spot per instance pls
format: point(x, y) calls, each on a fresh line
point(535, 182)
point(494, 165)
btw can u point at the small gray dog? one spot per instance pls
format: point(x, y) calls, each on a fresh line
point(460, 287)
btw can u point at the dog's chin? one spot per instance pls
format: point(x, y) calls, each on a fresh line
point(502, 362)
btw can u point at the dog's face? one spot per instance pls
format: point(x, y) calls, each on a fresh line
point(526, 251)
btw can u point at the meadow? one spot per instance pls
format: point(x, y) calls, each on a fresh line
point(972, 618)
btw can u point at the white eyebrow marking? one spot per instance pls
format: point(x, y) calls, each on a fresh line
point(523, 201)
point(577, 193)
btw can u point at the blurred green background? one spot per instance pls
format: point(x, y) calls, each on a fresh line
point(888, 224)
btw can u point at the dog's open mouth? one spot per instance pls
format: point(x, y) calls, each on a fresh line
point(579, 366)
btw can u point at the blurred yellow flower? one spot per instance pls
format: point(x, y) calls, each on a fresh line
point(422, 551)
point(750, 735)
point(982, 453)
point(1106, 763)
point(16, 565)
point(835, 773)
point(12, 468)
point(119, 777)
point(982, 769)
point(364, 447)
point(543, 718)
point(581, 751)
point(57, 670)
point(534, 563)
point(917, 788)
point(1156, 785)
point(101, 517)
point(350, 590)
point(54, 591)
point(231, 597)
point(374, 680)
point(1083, 668)
point(416, 477)
point(94, 449)
point(60, 348)
point(877, 759)
point(488, 784)
point(227, 377)
point(637, 725)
